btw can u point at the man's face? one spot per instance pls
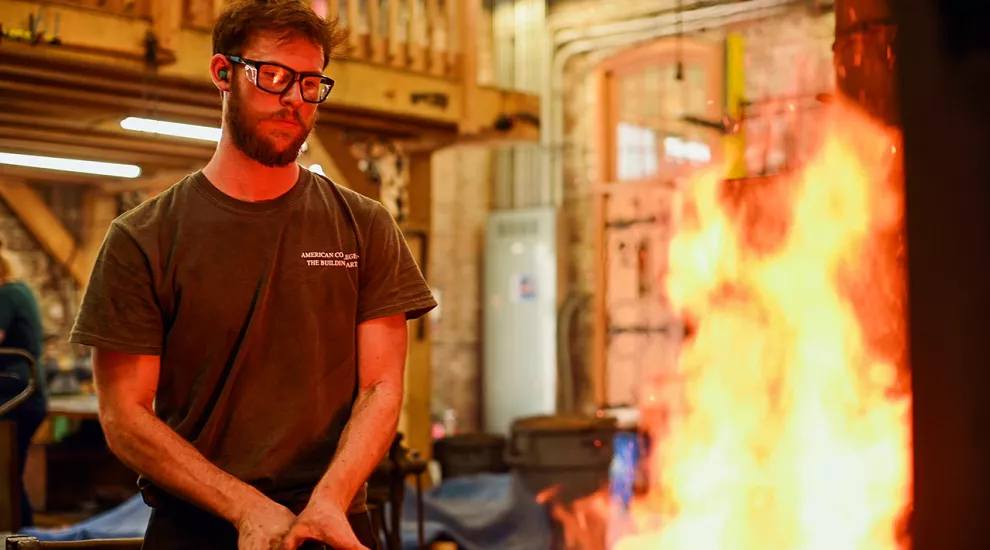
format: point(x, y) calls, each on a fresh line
point(271, 128)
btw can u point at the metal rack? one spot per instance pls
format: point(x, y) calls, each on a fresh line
point(10, 485)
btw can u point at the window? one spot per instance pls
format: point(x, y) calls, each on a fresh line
point(638, 152)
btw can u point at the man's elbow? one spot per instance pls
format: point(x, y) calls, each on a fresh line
point(386, 394)
point(121, 426)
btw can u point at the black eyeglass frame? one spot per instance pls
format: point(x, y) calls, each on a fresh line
point(295, 77)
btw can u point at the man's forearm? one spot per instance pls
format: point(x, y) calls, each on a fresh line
point(366, 438)
point(150, 447)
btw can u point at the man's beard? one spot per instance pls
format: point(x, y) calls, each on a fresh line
point(245, 136)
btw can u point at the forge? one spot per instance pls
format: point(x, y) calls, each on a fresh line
point(829, 397)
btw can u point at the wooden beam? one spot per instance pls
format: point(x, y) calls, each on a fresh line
point(84, 33)
point(21, 174)
point(420, 190)
point(28, 73)
point(108, 115)
point(218, 6)
point(163, 109)
point(40, 221)
point(152, 183)
point(98, 212)
point(338, 150)
point(470, 15)
point(166, 20)
point(318, 154)
point(30, 105)
point(416, 403)
point(129, 142)
point(377, 91)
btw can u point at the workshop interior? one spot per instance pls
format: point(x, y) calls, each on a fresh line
point(708, 272)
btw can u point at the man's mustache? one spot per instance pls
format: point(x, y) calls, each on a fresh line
point(285, 115)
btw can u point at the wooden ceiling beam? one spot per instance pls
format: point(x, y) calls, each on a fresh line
point(122, 143)
point(147, 87)
point(98, 212)
point(37, 176)
point(152, 183)
point(30, 207)
point(374, 91)
point(335, 146)
point(31, 105)
point(17, 118)
point(84, 97)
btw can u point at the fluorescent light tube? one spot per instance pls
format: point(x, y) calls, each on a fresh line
point(72, 165)
point(176, 129)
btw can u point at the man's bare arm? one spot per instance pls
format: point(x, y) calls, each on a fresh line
point(126, 385)
point(374, 419)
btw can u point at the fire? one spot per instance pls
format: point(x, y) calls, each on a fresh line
point(794, 428)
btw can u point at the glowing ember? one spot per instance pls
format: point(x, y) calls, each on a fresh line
point(793, 434)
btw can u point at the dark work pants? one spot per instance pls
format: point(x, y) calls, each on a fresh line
point(176, 525)
point(28, 416)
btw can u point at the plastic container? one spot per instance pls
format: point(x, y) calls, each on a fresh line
point(570, 455)
point(470, 454)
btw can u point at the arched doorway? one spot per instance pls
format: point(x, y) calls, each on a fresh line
point(654, 102)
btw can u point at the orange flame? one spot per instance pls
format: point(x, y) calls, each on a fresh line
point(795, 429)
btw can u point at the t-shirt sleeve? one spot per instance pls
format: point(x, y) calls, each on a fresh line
point(119, 309)
point(390, 281)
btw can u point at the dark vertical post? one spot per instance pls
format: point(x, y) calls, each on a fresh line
point(943, 73)
point(864, 56)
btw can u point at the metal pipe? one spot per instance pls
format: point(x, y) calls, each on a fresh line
point(31, 384)
point(607, 11)
point(693, 12)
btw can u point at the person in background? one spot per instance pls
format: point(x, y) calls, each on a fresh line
point(20, 328)
point(250, 322)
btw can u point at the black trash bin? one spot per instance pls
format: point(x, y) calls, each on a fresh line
point(569, 454)
point(470, 454)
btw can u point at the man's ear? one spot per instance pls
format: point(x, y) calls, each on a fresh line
point(221, 71)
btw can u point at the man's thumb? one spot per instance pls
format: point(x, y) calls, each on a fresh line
point(292, 539)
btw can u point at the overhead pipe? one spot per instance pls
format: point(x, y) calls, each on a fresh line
point(604, 11)
point(689, 13)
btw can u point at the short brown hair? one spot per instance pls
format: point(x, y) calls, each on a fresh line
point(241, 20)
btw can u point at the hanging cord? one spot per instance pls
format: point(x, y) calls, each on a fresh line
point(149, 81)
point(680, 75)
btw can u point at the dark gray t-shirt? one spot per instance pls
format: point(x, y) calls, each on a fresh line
point(253, 308)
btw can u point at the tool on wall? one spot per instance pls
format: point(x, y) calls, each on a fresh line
point(35, 31)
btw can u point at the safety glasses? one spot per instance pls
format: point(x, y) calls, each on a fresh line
point(277, 79)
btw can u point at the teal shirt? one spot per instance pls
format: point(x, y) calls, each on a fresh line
point(20, 321)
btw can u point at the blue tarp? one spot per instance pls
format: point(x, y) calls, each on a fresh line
point(484, 512)
point(479, 513)
point(127, 520)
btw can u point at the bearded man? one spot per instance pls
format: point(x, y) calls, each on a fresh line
point(249, 323)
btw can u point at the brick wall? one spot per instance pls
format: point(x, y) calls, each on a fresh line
point(788, 64)
point(55, 289)
point(461, 199)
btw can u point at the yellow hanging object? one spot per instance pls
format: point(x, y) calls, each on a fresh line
point(734, 143)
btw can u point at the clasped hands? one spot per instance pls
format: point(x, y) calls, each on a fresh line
point(271, 526)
